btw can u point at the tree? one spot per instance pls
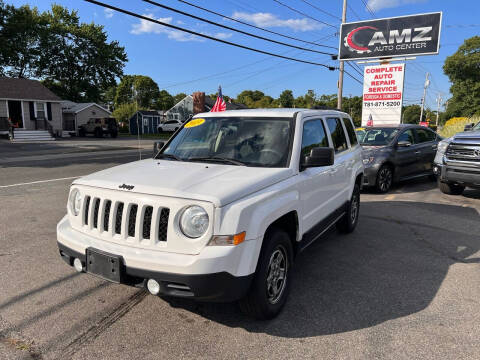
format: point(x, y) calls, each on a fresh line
point(463, 70)
point(21, 30)
point(286, 99)
point(146, 91)
point(164, 101)
point(411, 114)
point(178, 97)
point(74, 59)
point(124, 112)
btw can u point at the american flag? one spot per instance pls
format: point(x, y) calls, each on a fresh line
point(370, 121)
point(220, 104)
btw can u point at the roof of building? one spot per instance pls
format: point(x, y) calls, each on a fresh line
point(209, 102)
point(72, 107)
point(25, 89)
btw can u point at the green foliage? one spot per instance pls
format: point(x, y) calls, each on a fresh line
point(463, 70)
point(164, 101)
point(454, 125)
point(124, 112)
point(178, 97)
point(411, 114)
point(286, 99)
point(146, 91)
point(74, 59)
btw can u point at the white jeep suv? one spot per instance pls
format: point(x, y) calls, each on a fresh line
point(220, 212)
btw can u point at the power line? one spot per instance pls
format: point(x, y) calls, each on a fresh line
point(253, 26)
point(358, 72)
point(368, 8)
point(303, 14)
point(321, 10)
point(354, 13)
point(353, 77)
point(206, 36)
point(233, 29)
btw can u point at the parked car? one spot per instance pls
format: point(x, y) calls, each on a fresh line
point(169, 126)
point(5, 127)
point(222, 210)
point(360, 133)
point(457, 162)
point(397, 153)
point(472, 127)
point(99, 127)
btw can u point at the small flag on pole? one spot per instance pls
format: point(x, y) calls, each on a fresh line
point(370, 120)
point(220, 104)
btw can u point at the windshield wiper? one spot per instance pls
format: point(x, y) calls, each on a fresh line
point(219, 159)
point(168, 156)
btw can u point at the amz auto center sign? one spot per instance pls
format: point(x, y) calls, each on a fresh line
point(389, 37)
point(382, 94)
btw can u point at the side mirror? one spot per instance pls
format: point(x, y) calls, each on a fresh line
point(404, 144)
point(157, 146)
point(319, 156)
point(468, 127)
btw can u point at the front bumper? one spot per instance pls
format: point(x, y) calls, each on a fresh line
point(218, 273)
point(370, 175)
point(460, 172)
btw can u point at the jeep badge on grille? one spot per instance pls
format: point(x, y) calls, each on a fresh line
point(126, 187)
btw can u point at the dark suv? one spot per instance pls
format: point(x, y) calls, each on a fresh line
point(99, 127)
point(394, 153)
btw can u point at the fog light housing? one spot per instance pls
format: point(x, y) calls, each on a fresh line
point(153, 286)
point(77, 264)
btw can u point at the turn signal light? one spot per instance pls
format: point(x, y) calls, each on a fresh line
point(227, 240)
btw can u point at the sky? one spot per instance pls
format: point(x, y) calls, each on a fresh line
point(181, 62)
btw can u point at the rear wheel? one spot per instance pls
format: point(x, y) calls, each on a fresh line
point(450, 189)
point(98, 133)
point(113, 133)
point(82, 132)
point(384, 179)
point(269, 290)
point(348, 223)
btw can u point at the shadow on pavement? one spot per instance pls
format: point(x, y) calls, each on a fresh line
point(392, 266)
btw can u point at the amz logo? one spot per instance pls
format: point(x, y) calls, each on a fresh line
point(126, 187)
point(362, 38)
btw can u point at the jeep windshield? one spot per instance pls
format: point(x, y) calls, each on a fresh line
point(378, 136)
point(249, 141)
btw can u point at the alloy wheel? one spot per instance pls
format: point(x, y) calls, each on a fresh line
point(385, 179)
point(277, 275)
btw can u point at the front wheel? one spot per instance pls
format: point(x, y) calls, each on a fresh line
point(82, 132)
point(384, 179)
point(450, 189)
point(98, 133)
point(348, 223)
point(270, 286)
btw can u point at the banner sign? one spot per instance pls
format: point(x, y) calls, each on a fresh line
point(390, 37)
point(382, 94)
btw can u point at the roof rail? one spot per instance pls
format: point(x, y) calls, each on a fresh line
point(322, 107)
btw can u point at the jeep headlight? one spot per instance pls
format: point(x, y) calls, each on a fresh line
point(194, 221)
point(75, 201)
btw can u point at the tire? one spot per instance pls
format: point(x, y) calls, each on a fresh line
point(263, 300)
point(160, 130)
point(432, 177)
point(384, 179)
point(82, 132)
point(113, 134)
point(450, 189)
point(349, 222)
point(98, 133)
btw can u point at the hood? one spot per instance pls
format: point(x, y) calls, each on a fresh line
point(217, 183)
point(468, 135)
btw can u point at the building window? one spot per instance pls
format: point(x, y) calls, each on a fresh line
point(40, 111)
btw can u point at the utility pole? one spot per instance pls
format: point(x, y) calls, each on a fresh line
point(439, 101)
point(427, 83)
point(340, 74)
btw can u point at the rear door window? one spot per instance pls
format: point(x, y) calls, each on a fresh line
point(425, 135)
point(338, 135)
point(407, 135)
point(351, 131)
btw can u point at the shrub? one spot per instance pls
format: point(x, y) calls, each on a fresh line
point(454, 125)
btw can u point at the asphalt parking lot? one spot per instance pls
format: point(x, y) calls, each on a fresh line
point(404, 285)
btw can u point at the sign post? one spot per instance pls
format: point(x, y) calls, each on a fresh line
point(382, 94)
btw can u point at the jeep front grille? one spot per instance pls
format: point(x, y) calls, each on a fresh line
point(126, 220)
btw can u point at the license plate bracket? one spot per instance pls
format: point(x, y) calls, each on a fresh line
point(105, 265)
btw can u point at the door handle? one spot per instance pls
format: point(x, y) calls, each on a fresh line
point(417, 152)
point(434, 147)
point(333, 171)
